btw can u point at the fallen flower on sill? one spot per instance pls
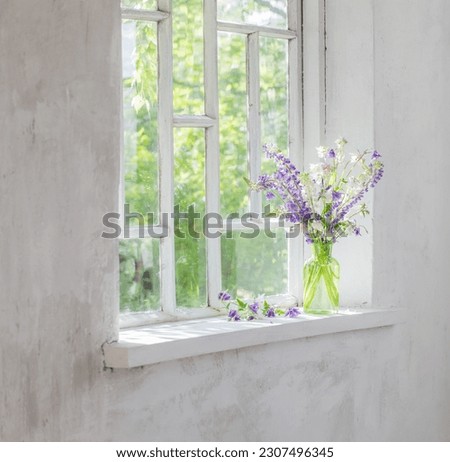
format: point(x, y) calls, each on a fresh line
point(239, 309)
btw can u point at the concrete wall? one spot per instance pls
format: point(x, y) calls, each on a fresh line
point(59, 119)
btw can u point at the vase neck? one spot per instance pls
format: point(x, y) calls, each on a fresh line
point(322, 250)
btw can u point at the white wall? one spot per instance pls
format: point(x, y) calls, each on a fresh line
point(59, 119)
point(349, 113)
point(412, 251)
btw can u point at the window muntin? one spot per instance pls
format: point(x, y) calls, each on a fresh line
point(239, 102)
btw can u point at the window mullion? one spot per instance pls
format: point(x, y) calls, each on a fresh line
point(295, 104)
point(213, 252)
point(166, 155)
point(254, 118)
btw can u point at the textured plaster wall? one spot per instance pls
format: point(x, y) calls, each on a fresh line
point(412, 98)
point(59, 120)
point(59, 141)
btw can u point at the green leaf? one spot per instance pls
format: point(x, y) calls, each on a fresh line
point(266, 307)
point(249, 183)
point(326, 208)
point(241, 304)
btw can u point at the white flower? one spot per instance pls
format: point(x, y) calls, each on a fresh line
point(341, 142)
point(317, 226)
point(353, 158)
point(321, 151)
point(315, 169)
point(340, 153)
point(328, 195)
point(340, 156)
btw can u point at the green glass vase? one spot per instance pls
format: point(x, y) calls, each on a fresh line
point(321, 275)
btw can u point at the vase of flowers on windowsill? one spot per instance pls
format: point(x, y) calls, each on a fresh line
point(325, 201)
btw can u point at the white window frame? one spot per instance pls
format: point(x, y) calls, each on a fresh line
point(166, 342)
point(209, 121)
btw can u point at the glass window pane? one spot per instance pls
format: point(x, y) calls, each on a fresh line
point(254, 266)
point(274, 92)
point(139, 274)
point(140, 4)
point(274, 100)
point(140, 116)
point(233, 123)
point(271, 13)
point(190, 248)
point(188, 89)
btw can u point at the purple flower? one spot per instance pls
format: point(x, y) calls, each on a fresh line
point(270, 312)
point(292, 206)
point(376, 155)
point(270, 151)
point(254, 307)
point(336, 195)
point(292, 312)
point(233, 315)
point(224, 296)
point(350, 205)
point(293, 218)
point(299, 191)
point(265, 182)
point(357, 231)
point(377, 177)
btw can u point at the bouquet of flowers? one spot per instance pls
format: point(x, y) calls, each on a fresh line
point(325, 201)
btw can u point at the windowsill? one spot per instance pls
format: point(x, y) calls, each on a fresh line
point(140, 319)
point(157, 343)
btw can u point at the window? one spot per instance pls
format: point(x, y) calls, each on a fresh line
point(205, 84)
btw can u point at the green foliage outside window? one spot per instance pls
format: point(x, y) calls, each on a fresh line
point(250, 266)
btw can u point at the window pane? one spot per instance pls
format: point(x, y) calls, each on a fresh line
point(140, 116)
point(188, 90)
point(274, 99)
point(139, 4)
point(233, 123)
point(271, 13)
point(139, 274)
point(190, 248)
point(274, 92)
point(254, 266)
